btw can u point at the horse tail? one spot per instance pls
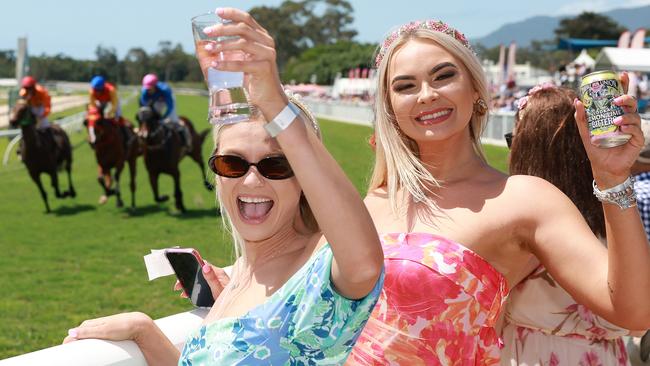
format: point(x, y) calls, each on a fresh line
point(203, 135)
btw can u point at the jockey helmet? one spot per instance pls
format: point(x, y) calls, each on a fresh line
point(149, 81)
point(98, 82)
point(28, 82)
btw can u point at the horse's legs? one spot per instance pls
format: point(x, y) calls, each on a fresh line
point(103, 178)
point(132, 172)
point(178, 194)
point(36, 177)
point(68, 168)
point(198, 158)
point(54, 178)
point(153, 180)
point(118, 172)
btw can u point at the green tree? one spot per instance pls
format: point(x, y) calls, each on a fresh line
point(7, 63)
point(298, 25)
point(590, 26)
point(325, 61)
point(61, 67)
point(136, 65)
point(107, 64)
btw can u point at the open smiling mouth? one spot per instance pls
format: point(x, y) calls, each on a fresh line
point(433, 117)
point(254, 209)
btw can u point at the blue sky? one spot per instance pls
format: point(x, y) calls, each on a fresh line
point(76, 27)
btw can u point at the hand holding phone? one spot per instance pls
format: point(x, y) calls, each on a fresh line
point(187, 264)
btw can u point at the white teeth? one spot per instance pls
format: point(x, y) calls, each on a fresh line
point(435, 115)
point(254, 199)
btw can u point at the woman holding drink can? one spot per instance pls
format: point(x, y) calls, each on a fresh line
point(543, 323)
point(434, 199)
point(457, 233)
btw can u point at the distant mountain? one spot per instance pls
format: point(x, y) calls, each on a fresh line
point(543, 27)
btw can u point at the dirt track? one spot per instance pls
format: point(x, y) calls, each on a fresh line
point(58, 104)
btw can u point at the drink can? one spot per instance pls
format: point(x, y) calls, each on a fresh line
point(597, 93)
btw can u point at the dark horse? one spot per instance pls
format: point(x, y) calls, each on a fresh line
point(164, 149)
point(43, 151)
point(111, 152)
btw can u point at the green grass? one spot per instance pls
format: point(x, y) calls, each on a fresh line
point(85, 260)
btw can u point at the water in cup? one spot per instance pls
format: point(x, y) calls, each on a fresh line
point(228, 100)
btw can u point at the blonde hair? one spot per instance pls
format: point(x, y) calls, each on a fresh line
point(397, 157)
point(306, 213)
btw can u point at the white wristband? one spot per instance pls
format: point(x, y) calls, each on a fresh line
point(282, 120)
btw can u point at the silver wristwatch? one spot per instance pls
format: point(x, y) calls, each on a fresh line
point(622, 195)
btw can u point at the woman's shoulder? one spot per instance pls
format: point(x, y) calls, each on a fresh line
point(533, 193)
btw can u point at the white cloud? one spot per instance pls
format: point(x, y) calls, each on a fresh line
point(577, 7)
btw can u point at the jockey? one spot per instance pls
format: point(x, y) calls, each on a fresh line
point(38, 100)
point(103, 97)
point(159, 96)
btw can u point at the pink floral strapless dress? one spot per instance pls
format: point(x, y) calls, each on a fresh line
point(439, 306)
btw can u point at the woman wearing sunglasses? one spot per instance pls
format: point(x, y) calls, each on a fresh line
point(294, 297)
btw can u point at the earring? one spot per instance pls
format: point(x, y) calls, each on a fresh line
point(480, 107)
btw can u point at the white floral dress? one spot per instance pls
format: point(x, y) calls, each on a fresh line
point(545, 326)
point(305, 322)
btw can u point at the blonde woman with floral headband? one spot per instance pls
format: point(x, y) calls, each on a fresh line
point(544, 325)
point(457, 234)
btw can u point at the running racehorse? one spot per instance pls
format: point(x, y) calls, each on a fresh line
point(112, 152)
point(164, 148)
point(43, 151)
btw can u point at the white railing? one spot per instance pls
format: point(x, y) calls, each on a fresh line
point(94, 352)
point(362, 113)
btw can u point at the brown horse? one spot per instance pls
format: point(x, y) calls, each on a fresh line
point(43, 151)
point(163, 151)
point(111, 152)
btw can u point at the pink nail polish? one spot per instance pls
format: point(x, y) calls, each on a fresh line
point(214, 63)
point(219, 11)
point(73, 332)
point(208, 47)
point(206, 268)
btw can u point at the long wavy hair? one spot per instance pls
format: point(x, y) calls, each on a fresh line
point(306, 213)
point(546, 143)
point(398, 166)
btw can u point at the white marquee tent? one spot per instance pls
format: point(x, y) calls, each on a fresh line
point(584, 59)
point(624, 59)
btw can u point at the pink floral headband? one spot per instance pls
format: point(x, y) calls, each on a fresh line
point(412, 27)
point(523, 101)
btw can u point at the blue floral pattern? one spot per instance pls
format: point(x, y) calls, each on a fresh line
point(305, 322)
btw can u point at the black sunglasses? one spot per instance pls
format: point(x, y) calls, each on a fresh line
point(508, 136)
point(232, 166)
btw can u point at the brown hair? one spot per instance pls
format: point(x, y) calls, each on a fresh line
point(547, 144)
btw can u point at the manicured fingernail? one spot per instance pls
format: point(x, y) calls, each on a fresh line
point(214, 63)
point(219, 11)
point(73, 332)
point(618, 100)
point(206, 268)
point(618, 120)
point(208, 47)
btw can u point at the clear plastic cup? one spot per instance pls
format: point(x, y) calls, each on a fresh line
point(228, 97)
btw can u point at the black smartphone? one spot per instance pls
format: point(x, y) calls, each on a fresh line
point(187, 264)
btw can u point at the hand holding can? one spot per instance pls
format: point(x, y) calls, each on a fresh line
point(598, 91)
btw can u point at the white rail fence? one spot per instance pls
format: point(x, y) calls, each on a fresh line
point(499, 123)
point(94, 352)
